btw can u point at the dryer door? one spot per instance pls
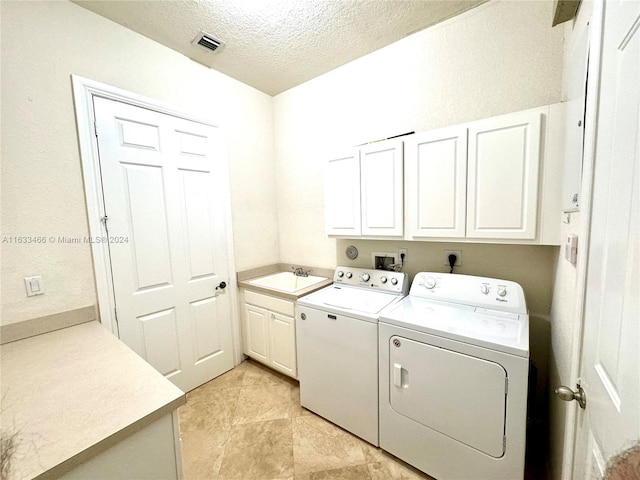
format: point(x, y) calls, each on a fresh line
point(460, 396)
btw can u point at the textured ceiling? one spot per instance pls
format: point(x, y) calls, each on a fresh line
point(274, 45)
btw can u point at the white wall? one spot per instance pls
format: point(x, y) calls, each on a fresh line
point(497, 58)
point(43, 43)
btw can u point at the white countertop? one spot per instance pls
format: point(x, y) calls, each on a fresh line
point(72, 393)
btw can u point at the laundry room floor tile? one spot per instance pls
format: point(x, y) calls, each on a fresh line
point(261, 402)
point(319, 445)
point(357, 472)
point(206, 450)
point(260, 450)
point(393, 470)
point(248, 424)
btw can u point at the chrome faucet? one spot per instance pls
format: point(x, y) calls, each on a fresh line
point(300, 272)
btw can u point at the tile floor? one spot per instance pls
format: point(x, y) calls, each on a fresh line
point(248, 425)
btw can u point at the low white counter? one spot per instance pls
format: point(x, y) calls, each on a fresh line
point(72, 394)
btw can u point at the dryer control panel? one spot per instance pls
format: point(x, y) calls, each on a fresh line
point(480, 292)
point(386, 281)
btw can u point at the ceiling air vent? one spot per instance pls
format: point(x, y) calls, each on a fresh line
point(208, 41)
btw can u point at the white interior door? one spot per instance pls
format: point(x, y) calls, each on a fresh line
point(163, 195)
point(610, 362)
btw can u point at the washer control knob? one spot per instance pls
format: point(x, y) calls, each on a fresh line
point(394, 281)
point(383, 279)
point(340, 274)
point(349, 274)
point(365, 277)
point(429, 282)
point(502, 291)
point(484, 289)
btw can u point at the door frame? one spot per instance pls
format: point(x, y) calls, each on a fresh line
point(84, 90)
point(596, 26)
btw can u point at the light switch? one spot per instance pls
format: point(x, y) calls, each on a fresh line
point(571, 249)
point(34, 286)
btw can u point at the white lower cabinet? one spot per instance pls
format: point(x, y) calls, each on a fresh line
point(269, 331)
point(152, 452)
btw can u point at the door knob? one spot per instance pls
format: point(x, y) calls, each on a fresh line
point(222, 286)
point(566, 394)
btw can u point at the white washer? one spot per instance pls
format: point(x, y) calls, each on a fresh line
point(337, 346)
point(454, 362)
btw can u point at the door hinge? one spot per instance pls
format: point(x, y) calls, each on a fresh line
point(506, 386)
point(504, 443)
point(95, 128)
point(116, 325)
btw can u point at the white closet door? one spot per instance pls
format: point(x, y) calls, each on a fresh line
point(382, 189)
point(163, 185)
point(436, 188)
point(502, 188)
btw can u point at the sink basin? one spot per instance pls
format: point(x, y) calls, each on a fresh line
point(286, 281)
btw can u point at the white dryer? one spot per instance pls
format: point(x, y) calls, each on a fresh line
point(454, 360)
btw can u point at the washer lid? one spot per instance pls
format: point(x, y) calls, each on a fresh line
point(350, 298)
point(502, 331)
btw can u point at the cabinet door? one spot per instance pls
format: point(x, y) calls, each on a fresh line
point(436, 183)
point(342, 195)
point(381, 168)
point(502, 186)
point(257, 334)
point(282, 343)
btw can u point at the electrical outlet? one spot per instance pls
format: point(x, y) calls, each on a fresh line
point(402, 251)
point(457, 253)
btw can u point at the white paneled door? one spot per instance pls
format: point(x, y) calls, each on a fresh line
point(163, 192)
point(610, 362)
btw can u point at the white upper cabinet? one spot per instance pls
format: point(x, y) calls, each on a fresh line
point(502, 187)
point(381, 176)
point(436, 183)
point(496, 180)
point(364, 192)
point(342, 195)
